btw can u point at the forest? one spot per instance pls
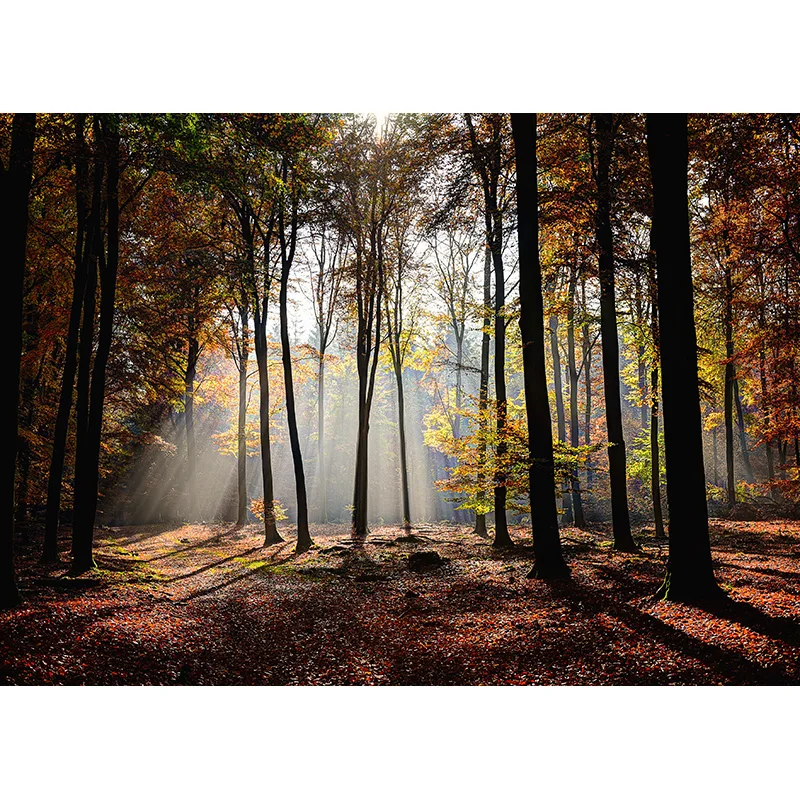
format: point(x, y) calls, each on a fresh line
point(404, 399)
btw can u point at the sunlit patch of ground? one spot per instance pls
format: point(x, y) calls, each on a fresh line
point(207, 604)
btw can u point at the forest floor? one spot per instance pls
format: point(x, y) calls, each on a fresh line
point(206, 604)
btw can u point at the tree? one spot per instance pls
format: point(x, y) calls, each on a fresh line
point(15, 183)
point(623, 539)
point(549, 561)
point(574, 374)
point(326, 283)
point(88, 456)
point(375, 174)
point(288, 247)
point(690, 573)
point(490, 163)
point(364, 207)
point(82, 251)
point(239, 163)
point(239, 350)
point(455, 251)
point(403, 311)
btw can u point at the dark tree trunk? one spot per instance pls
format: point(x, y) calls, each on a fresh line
point(748, 468)
point(586, 355)
point(574, 428)
point(369, 298)
point(260, 313)
point(83, 247)
point(287, 256)
point(483, 391)
point(548, 558)
point(458, 515)
point(608, 326)
point(487, 161)
point(690, 573)
point(271, 535)
point(323, 481)
point(561, 424)
point(401, 419)
point(15, 183)
point(241, 427)
point(83, 457)
point(501, 535)
point(86, 482)
point(762, 372)
point(655, 456)
point(367, 363)
point(729, 376)
point(643, 411)
point(640, 364)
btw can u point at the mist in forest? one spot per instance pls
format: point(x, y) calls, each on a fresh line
point(154, 488)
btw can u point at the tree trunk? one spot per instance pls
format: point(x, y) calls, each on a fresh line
point(303, 535)
point(501, 535)
point(271, 535)
point(608, 326)
point(323, 482)
point(748, 468)
point(640, 365)
point(86, 484)
point(762, 372)
point(83, 457)
point(561, 424)
point(574, 431)
point(83, 247)
point(483, 391)
point(15, 183)
point(690, 573)
point(586, 355)
point(366, 384)
point(401, 418)
point(728, 403)
point(241, 427)
point(548, 559)
point(642, 387)
point(655, 456)
point(459, 515)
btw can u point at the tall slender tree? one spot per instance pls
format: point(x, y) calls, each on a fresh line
point(690, 573)
point(330, 251)
point(87, 469)
point(15, 184)
point(623, 540)
point(549, 560)
point(287, 235)
point(574, 374)
point(82, 251)
point(400, 321)
point(488, 156)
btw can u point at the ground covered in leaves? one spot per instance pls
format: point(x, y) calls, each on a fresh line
point(207, 604)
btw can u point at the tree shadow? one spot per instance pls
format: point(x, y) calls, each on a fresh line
point(733, 666)
point(217, 537)
point(212, 565)
point(768, 571)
